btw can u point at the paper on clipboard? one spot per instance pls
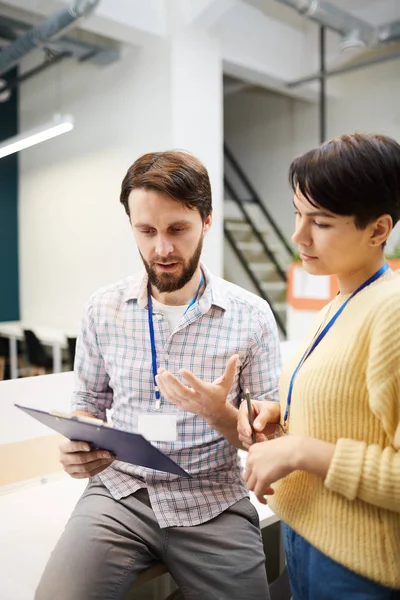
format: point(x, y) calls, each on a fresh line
point(128, 447)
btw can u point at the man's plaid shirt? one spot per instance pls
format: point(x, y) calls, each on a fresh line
point(113, 369)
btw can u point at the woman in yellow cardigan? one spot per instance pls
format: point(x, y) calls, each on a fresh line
point(333, 475)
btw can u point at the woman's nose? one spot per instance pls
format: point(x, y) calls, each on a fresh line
point(301, 235)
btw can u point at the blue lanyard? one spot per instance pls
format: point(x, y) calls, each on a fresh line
point(323, 333)
point(152, 338)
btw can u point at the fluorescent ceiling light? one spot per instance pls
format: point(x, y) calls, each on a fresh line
point(59, 125)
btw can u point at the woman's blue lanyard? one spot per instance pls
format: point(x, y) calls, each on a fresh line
point(152, 338)
point(323, 333)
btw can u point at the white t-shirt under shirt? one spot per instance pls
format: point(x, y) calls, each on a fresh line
point(173, 314)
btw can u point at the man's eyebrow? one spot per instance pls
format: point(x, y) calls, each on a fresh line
point(180, 223)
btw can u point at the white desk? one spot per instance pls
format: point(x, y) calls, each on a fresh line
point(33, 516)
point(47, 335)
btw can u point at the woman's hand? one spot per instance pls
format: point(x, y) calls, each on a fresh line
point(270, 461)
point(266, 415)
point(275, 459)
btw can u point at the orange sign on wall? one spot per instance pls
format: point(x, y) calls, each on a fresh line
point(309, 292)
point(313, 292)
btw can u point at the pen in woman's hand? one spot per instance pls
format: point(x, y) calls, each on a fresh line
point(250, 413)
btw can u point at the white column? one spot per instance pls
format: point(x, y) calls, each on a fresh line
point(197, 115)
point(165, 95)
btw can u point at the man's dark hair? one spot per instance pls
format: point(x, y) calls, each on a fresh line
point(357, 175)
point(177, 174)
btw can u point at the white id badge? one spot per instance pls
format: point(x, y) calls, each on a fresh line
point(158, 427)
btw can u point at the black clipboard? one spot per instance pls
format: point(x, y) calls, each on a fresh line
point(128, 447)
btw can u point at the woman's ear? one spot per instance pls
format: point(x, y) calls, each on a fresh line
point(380, 230)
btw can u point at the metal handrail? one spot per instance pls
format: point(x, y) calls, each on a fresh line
point(254, 229)
point(256, 198)
point(253, 278)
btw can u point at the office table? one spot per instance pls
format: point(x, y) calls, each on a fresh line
point(14, 331)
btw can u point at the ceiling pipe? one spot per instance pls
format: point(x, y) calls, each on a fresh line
point(46, 31)
point(322, 86)
point(51, 62)
point(355, 31)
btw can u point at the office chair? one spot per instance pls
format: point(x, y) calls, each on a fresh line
point(38, 358)
point(71, 341)
point(5, 370)
point(4, 356)
point(280, 588)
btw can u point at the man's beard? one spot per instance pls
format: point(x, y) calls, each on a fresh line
point(168, 282)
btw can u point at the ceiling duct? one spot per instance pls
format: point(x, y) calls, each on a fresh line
point(379, 43)
point(45, 32)
point(354, 31)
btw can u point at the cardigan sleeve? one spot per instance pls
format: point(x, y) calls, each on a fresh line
point(372, 472)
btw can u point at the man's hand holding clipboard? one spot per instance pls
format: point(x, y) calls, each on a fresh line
point(93, 445)
point(79, 460)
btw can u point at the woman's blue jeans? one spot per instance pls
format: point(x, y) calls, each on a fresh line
point(314, 576)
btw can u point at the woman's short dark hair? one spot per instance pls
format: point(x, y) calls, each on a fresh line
point(354, 174)
point(177, 174)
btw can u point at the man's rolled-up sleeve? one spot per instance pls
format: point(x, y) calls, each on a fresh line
point(261, 371)
point(92, 392)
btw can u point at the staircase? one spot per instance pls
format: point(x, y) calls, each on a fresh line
point(253, 239)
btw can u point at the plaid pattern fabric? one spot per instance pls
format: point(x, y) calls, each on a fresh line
point(113, 370)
